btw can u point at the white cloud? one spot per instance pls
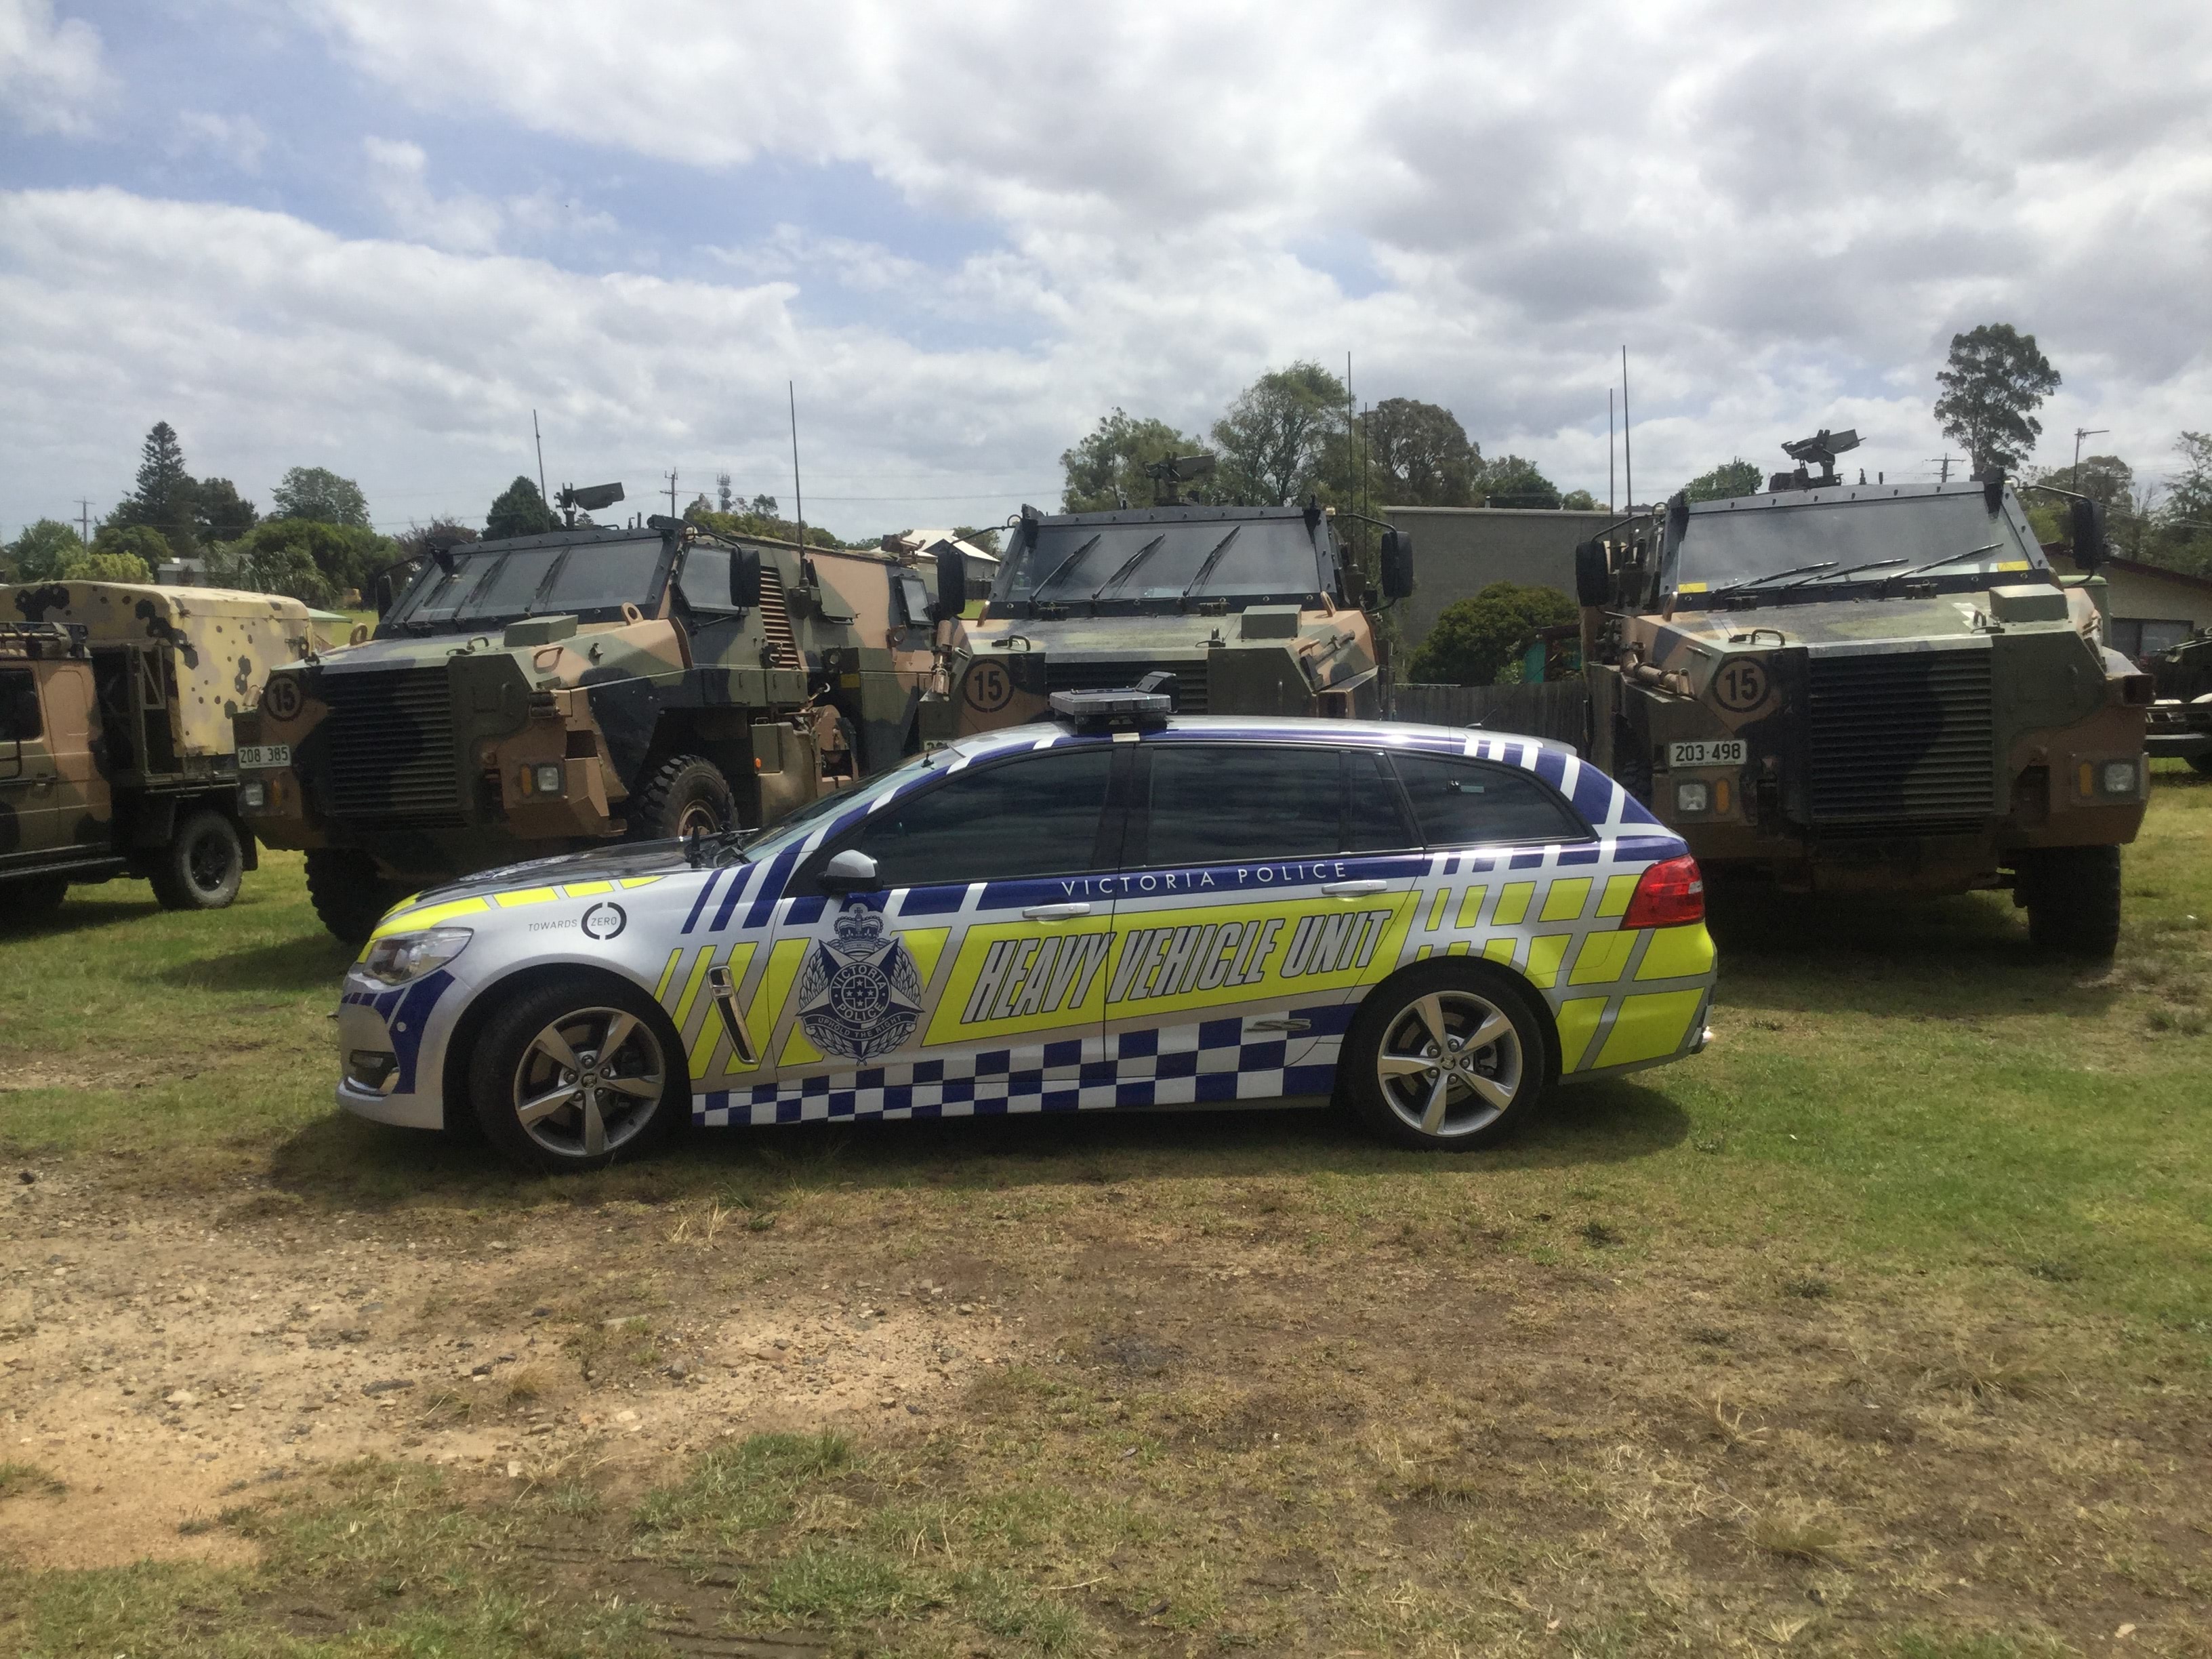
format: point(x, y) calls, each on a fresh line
point(52, 78)
point(464, 223)
point(238, 139)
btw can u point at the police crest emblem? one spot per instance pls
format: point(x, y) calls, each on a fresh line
point(859, 995)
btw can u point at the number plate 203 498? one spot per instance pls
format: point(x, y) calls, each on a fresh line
point(1727, 751)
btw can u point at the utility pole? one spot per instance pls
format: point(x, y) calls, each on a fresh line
point(1608, 450)
point(1627, 449)
point(2080, 433)
point(1944, 462)
point(672, 492)
point(84, 519)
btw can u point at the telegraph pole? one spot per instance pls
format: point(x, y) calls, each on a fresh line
point(1627, 450)
point(672, 492)
point(1944, 462)
point(84, 519)
point(2080, 433)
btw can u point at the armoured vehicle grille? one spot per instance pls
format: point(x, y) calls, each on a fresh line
point(1113, 676)
point(1904, 739)
point(775, 623)
point(391, 747)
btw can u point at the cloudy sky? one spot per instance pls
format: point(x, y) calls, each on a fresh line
point(374, 235)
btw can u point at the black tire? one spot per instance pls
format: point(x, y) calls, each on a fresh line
point(34, 900)
point(2203, 763)
point(349, 896)
point(1391, 1025)
point(515, 1064)
point(202, 866)
point(680, 794)
point(2073, 899)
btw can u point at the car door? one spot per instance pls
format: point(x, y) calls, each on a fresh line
point(971, 979)
point(1264, 884)
point(30, 825)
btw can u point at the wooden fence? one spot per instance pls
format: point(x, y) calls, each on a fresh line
point(1558, 709)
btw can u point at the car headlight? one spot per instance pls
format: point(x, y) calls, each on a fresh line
point(1692, 796)
point(2120, 777)
point(399, 957)
point(253, 796)
point(549, 778)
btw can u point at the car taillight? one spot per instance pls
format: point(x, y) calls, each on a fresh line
point(1671, 893)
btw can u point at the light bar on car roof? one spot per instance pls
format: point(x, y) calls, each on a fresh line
point(1110, 708)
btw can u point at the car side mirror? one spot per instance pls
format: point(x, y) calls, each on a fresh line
point(1397, 564)
point(744, 578)
point(2088, 534)
point(951, 583)
point(850, 872)
point(1593, 574)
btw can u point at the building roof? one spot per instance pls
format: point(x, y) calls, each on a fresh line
point(2056, 550)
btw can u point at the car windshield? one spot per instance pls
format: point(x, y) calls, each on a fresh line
point(1159, 564)
point(1805, 548)
point(494, 582)
point(824, 808)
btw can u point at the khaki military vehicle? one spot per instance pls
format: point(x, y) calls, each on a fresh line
point(1879, 687)
point(2181, 717)
point(542, 693)
point(1252, 609)
point(116, 756)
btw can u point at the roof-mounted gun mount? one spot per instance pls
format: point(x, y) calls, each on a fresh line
point(1820, 449)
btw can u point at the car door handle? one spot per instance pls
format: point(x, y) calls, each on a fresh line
point(1353, 889)
point(1055, 912)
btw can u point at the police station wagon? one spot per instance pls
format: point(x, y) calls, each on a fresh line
point(1117, 909)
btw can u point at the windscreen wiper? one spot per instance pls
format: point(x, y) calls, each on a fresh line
point(1212, 559)
point(1837, 576)
point(1129, 565)
point(1948, 558)
point(1062, 568)
point(1772, 576)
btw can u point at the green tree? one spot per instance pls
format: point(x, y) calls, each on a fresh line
point(40, 552)
point(120, 553)
point(418, 539)
point(1421, 454)
point(1512, 482)
point(1276, 440)
point(766, 526)
point(93, 566)
point(319, 494)
point(1730, 478)
point(165, 496)
point(220, 513)
point(1994, 382)
point(1579, 500)
point(1107, 466)
point(1476, 637)
point(311, 560)
point(2177, 534)
point(985, 536)
point(520, 510)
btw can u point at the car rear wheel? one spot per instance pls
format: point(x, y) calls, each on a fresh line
point(576, 1072)
point(349, 896)
point(2073, 899)
point(1446, 1057)
point(202, 866)
point(685, 795)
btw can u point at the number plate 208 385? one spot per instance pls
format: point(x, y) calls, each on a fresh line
point(1727, 751)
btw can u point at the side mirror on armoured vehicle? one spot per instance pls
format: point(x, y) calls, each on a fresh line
point(744, 578)
point(850, 872)
point(2089, 533)
point(951, 583)
point(1397, 564)
point(1593, 574)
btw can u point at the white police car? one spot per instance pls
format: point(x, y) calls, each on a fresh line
point(1119, 909)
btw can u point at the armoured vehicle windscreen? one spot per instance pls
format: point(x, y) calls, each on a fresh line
point(1160, 564)
point(1805, 548)
point(494, 582)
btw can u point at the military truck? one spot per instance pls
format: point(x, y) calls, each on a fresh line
point(116, 756)
point(538, 693)
point(1880, 688)
point(2181, 717)
point(1252, 609)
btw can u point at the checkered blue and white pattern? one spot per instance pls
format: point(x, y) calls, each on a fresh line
point(1214, 1060)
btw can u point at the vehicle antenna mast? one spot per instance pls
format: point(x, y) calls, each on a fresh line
point(798, 495)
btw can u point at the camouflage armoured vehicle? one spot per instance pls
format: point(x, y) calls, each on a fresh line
point(1878, 688)
point(2181, 719)
point(1253, 610)
point(115, 736)
point(539, 694)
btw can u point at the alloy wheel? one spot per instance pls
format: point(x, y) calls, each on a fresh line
point(589, 1082)
point(1451, 1063)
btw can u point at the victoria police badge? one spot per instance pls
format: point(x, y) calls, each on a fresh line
point(859, 995)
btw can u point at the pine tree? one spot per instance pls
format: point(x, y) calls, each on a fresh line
point(166, 496)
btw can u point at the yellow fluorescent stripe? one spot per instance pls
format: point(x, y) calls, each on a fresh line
point(587, 889)
point(1618, 891)
point(1577, 1023)
point(691, 984)
point(1501, 949)
point(641, 881)
point(1544, 954)
point(525, 895)
point(429, 916)
point(1436, 911)
point(1513, 903)
point(1676, 952)
point(1650, 1027)
point(1604, 957)
point(2011, 564)
point(661, 991)
point(1690, 588)
point(1470, 907)
point(1565, 900)
point(1458, 948)
point(1423, 954)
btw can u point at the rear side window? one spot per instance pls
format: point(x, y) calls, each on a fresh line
point(1372, 822)
point(1465, 802)
point(1244, 804)
point(1037, 816)
point(706, 582)
point(19, 706)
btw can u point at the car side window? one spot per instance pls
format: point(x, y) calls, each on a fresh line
point(706, 579)
point(19, 706)
point(1248, 803)
point(1373, 822)
point(1462, 803)
point(1035, 816)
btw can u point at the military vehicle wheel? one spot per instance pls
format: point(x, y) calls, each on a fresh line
point(573, 1072)
point(202, 866)
point(349, 895)
point(1446, 1058)
point(2203, 763)
point(685, 794)
point(36, 900)
point(2073, 899)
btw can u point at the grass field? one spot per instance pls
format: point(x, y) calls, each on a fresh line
point(1884, 1327)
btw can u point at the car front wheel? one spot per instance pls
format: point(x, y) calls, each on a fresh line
point(576, 1072)
point(1446, 1058)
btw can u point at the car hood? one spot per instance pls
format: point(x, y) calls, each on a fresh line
point(629, 860)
